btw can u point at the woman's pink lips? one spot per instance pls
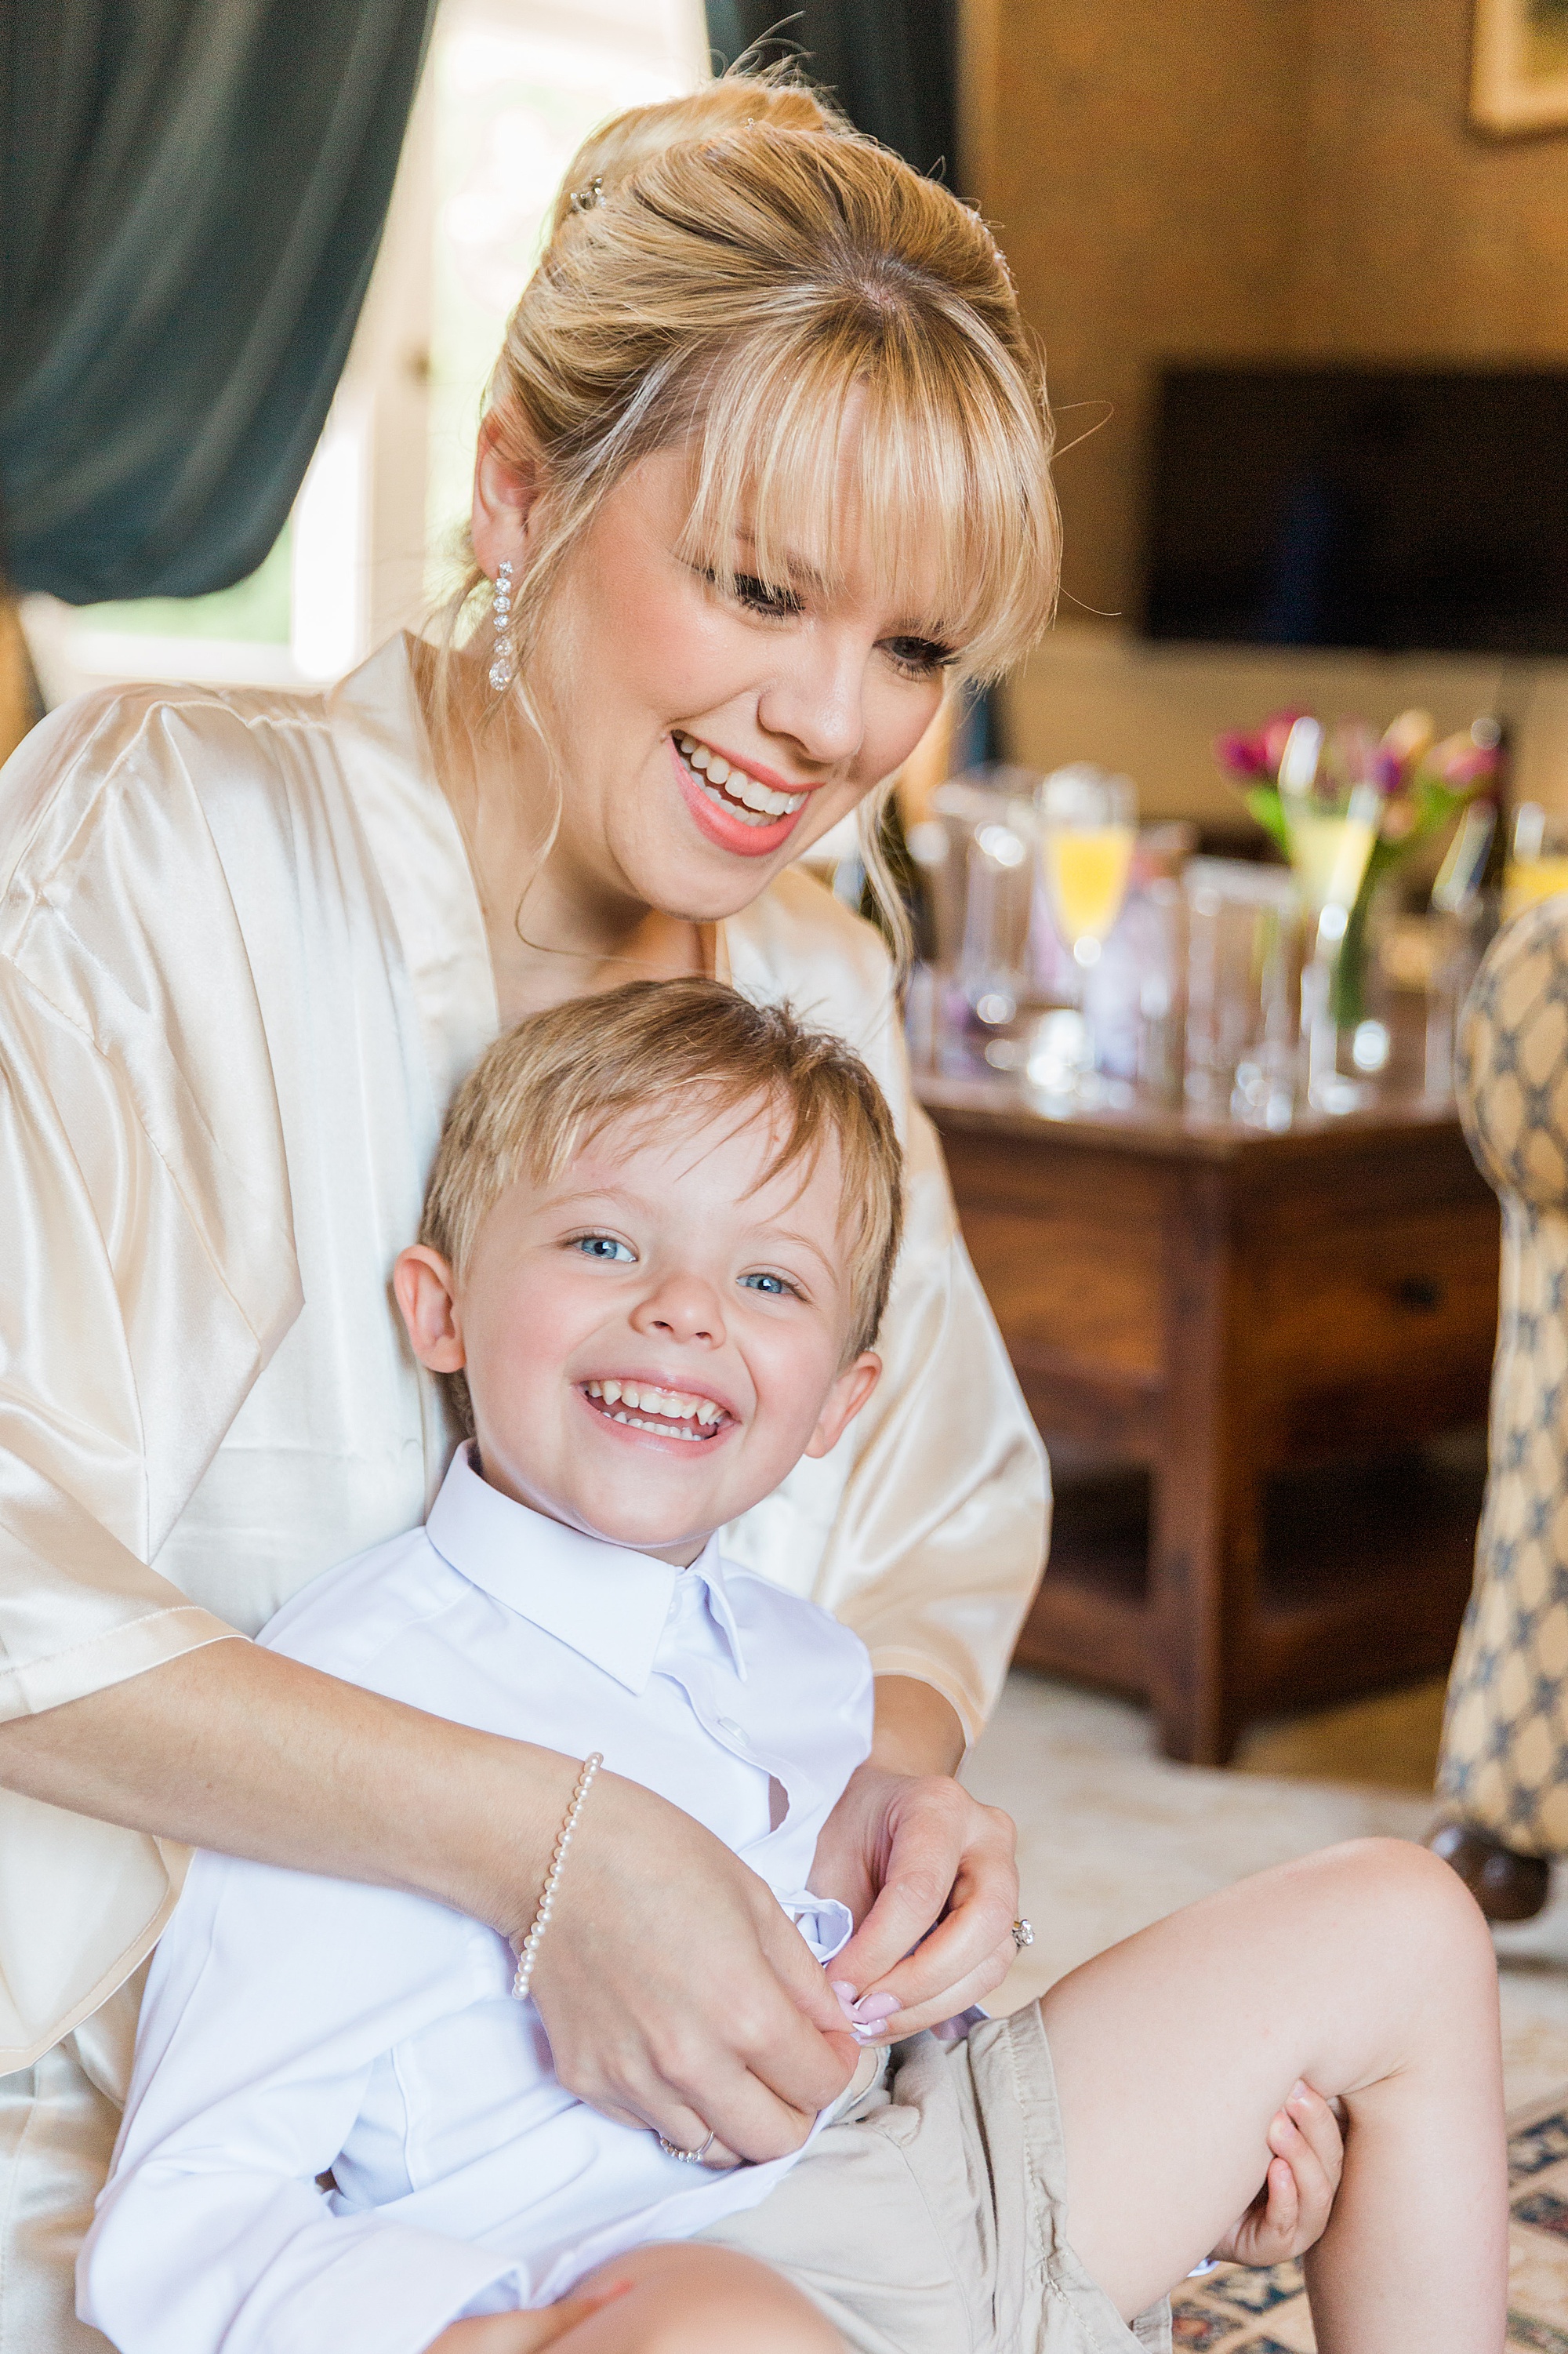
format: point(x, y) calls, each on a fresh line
point(731, 832)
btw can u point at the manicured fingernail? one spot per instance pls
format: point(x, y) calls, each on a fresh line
point(874, 2009)
point(846, 1994)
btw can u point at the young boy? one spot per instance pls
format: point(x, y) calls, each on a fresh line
point(658, 1241)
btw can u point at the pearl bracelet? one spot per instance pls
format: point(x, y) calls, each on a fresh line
point(528, 1952)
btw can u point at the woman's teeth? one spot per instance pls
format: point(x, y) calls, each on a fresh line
point(742, 796)
point(673, 1407)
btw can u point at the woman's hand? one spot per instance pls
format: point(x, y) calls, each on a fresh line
point(906, 1850)
point(677, 1993)
point(1291, 2212)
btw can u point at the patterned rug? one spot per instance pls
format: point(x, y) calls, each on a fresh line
point(1241, 2312)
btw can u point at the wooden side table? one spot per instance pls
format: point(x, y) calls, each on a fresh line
point(1222, 1304)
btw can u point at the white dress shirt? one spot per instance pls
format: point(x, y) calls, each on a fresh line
point(242, 968)
point(294, 2024)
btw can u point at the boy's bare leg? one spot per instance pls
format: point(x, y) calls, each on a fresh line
point(676, 2298)
point(1366, 1970)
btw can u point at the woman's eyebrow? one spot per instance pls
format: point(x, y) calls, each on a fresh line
point(798, 571)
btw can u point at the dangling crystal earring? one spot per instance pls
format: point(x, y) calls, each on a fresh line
point(503, 667)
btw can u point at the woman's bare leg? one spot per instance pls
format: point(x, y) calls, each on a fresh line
point(1369, 1972)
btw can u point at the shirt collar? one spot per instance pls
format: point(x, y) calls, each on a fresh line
point(610, 1605)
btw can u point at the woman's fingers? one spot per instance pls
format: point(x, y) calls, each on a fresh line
point(942, 1852)
point(953, 1995)
point(688, 2012)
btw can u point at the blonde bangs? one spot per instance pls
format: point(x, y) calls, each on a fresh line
point(867, 443)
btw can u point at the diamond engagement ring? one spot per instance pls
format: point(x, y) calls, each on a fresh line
point(1022, 1935)
point(686, 2157)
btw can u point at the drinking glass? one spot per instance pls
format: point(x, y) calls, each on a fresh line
point(1331, 844)
point(1537, 864)
point(1087, 833)
point(1243, 967)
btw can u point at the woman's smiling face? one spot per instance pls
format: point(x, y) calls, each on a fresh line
point(704, 738)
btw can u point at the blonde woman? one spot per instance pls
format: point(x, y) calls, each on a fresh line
point(763, 469)
point(251, 945)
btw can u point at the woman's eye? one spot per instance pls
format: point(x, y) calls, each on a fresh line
point(604, 1246)
point(776, 604)
point(775, 1285)
point(918, 657)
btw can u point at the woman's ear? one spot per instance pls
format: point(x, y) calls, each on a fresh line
point(426, 1292)
point(504, 499)
point(844, 1401)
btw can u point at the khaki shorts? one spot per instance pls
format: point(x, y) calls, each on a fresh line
point(927, 2219)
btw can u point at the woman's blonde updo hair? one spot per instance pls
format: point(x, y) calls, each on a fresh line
point(733, 271)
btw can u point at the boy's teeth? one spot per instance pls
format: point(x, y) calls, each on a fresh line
point(759, 800)
point(672, 1405)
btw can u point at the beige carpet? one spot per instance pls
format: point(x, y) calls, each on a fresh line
point(1112, 1836)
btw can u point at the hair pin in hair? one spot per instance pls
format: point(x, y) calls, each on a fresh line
point(584, 199)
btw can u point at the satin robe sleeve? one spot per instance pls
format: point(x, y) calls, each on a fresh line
point(150, 1273)
point(930, 1518)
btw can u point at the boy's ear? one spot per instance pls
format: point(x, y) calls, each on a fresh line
point(426, 1291)
point(844, 1401)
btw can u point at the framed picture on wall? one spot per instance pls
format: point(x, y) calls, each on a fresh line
point(1519, 76)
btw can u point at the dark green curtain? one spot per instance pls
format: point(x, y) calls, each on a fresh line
point(892, 64)
point(191, 196)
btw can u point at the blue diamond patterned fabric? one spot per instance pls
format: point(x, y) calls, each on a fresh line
point(1504, 1765)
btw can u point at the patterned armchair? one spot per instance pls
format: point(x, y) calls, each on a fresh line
point(1503, 1776)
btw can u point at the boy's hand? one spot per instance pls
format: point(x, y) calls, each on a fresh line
point(1291, 2211)
point(523, 2333)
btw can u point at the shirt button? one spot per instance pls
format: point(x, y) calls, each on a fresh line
point(728, 1725)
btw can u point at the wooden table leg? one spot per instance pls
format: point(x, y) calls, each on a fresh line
point(1205, 1537)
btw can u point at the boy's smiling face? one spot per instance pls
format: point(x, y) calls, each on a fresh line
point(656, 1336)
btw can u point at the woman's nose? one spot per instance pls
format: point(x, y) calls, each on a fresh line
point(815, 701)
point(680, 1307)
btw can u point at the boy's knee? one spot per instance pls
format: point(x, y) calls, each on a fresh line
point(697, 2300)
point(1412, 1898)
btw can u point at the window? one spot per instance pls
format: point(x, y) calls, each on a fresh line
point(510, 89)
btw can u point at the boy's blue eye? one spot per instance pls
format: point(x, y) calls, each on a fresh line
point(602, 1247)
point(773, 1285)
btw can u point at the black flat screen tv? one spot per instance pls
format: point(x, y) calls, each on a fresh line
point(1406, 510)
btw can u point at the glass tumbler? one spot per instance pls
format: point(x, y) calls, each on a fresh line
point(1244, 944)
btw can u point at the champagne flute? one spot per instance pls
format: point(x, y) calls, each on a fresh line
point(1087, 838)
point(1331, 844)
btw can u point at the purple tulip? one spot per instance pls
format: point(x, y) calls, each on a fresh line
point(1244, 755)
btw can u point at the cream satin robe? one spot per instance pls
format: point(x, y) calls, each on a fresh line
point(242, 968)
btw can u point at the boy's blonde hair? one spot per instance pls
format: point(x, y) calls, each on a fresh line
point(671, 1053)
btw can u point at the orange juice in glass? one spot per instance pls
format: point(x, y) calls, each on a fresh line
point(1537, 866)
point(1088, 833)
